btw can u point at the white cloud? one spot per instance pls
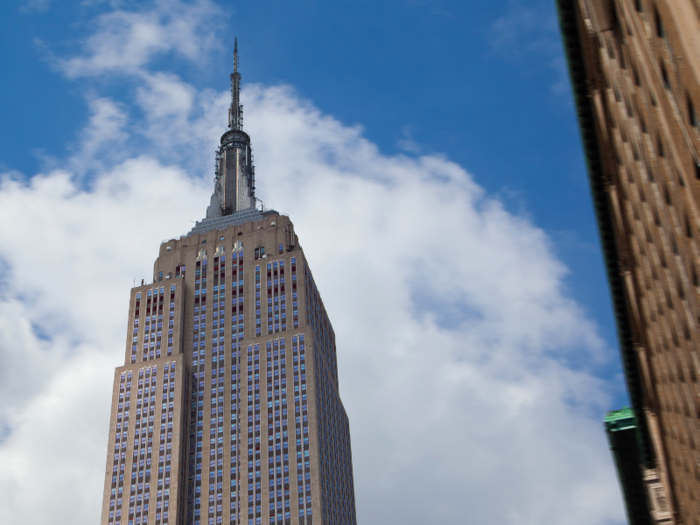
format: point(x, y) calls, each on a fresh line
point(179, 122)
point(465, 368)
point(407, 143)
point(127, 41)
point(36, 6)
point(165, 97)
point(66, 264)
point(53, 464)
point(101, 142)
point(454, 332)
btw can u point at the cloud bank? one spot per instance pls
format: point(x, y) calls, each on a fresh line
point(467, 372)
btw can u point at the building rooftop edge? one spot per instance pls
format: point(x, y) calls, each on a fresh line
point(622, 413)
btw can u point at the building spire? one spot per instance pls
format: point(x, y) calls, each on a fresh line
point(234, 182)
point(235, 113)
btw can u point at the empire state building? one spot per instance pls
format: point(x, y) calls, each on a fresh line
point(227, 409)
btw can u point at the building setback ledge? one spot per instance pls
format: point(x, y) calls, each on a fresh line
point(235, 219)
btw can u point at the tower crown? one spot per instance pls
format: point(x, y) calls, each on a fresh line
point(234, 174)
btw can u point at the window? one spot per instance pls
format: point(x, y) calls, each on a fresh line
point(664, 75)
point(659, 146)
point(692, 116)
point(660, 32)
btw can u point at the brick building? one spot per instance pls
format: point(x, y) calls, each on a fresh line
point(635, 67)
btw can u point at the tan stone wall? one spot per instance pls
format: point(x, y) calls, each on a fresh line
point(643, 65)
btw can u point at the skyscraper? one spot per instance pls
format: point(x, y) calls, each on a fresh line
point(227, 409)
point(635, 68)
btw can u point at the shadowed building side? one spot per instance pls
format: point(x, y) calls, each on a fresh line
point(621, 428)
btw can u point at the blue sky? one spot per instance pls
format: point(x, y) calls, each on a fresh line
point(483, 84)
point(452, 120)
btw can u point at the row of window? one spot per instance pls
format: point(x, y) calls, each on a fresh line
point(141, 462)
point(238, 426)
point(152, 333)
point(253, 427)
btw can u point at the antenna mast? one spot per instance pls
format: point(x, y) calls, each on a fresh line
point(235, 113)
